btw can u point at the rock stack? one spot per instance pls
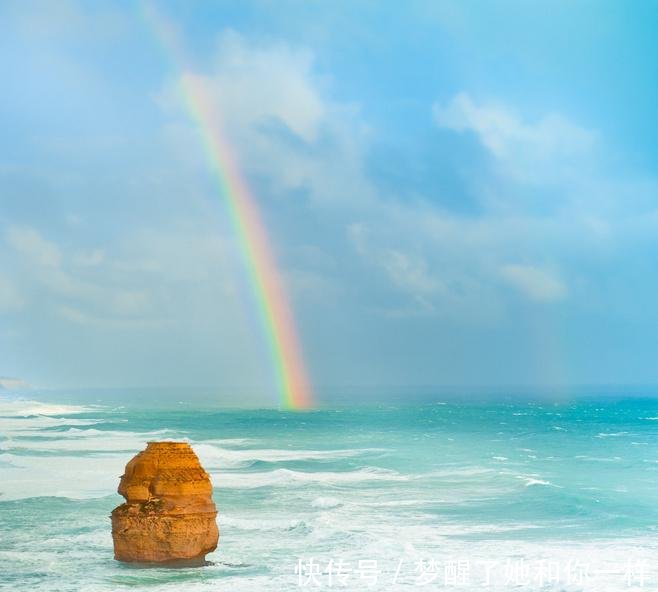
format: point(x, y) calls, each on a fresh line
point(169, 515)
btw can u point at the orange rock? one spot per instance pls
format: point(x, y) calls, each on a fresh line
point(169, 515)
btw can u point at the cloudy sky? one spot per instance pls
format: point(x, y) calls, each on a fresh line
point(458, 193)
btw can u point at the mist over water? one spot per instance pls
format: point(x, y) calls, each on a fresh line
point(399, 485)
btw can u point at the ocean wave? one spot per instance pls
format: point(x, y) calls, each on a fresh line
point(399, 503)
point(214, 457)
point(29, 426)
point(598, 458)
point(233, 442)
point(284, 477)
point(611, 434)
point(74, 477)
point(326, 503)
point(22, 408)
point(263, 524)
point(531, 481)
point(473, 471)
point(75, 440)
point(487, 528)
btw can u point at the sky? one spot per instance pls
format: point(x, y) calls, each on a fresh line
point(457, 193)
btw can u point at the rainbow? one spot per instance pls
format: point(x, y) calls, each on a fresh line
point(278, 321)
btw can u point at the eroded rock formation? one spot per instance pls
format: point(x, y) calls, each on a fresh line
point(169, 515)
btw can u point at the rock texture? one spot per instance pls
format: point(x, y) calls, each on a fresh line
point(169, 515)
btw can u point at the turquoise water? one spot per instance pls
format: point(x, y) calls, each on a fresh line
point(405, 497)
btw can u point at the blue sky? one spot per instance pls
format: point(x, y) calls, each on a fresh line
point(458, 193)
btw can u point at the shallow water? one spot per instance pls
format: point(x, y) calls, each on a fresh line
point(528, 496)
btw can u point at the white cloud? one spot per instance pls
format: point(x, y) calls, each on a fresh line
point(412, 275)
point(443, 262)
point(260, 89)
point(45, 262)
point(259, 82)
point(444, 278)
point(77, 284)
point(89, 258)
point(131, 303)
point(73, 220)
point(31, 244)
point(94, 320)
point(10, 297)
point(551, 146)
point(534, 282)
point(254, 85)
point(74, 315)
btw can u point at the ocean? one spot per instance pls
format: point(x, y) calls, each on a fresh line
point(513, 496)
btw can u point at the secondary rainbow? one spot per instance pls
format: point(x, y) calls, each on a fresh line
point(275, 311)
